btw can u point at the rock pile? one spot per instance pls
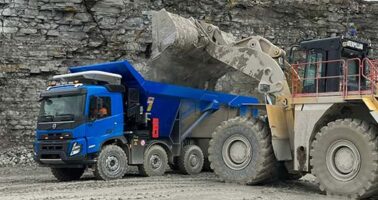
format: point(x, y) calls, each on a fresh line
point(16, 156)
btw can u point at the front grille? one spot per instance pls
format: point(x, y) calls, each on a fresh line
point(56, 136)
point(52, 147)
point(50, 156)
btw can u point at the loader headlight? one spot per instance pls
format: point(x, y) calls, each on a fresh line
point(75, 149)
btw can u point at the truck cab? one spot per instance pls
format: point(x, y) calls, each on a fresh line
point(76, 117)
point(72, 114)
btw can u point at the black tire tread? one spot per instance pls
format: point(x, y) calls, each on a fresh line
point(182, 162)
point(145, 171)
point(97, 171)
point(267, 161)
point(368, 132)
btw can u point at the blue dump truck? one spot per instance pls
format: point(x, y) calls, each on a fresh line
point(108, 117)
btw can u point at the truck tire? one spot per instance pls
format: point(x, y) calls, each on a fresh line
point(240, 151)
point(191, 160)
point(67, 174)
point(344, 158)
point(155, 162)
point(111, 163)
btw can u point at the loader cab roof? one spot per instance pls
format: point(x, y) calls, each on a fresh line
point(338, 47)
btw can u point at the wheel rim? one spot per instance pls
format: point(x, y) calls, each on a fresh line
point(343, 160)
point(155, 161)
point(112, 163)
point(193, 160)
point(236, 152)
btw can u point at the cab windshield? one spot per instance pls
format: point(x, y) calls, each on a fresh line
point(61, 108)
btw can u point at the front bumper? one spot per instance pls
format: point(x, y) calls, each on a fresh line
point(53, 153)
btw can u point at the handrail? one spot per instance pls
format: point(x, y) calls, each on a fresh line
point(361, 77)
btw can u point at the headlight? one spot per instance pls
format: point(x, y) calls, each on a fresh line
point(75, 149)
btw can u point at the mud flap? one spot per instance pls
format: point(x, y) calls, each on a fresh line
point(138, 142)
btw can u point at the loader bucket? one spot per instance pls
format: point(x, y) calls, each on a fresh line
point(178, 56)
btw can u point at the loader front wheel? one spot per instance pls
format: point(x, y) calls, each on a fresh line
point(240, 151)
point(344, 158)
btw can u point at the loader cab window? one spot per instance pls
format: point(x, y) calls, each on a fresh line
point(311, 69)
point(99, 107)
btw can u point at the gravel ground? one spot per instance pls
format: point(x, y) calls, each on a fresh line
point(38, 183)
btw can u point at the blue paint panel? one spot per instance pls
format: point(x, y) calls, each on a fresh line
point(165, 108)
point(78, 132)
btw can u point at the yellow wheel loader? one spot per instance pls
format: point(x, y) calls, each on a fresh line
point(321, 108)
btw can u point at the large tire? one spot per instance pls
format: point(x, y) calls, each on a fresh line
point(111, 163)
point(67, 174)
point(344, 158)
point(155, 162)
point(240, 151)
point(191, 160)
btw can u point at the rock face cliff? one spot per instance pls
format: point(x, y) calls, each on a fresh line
point(40, 38)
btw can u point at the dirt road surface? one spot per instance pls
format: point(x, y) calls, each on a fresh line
point(38, 183)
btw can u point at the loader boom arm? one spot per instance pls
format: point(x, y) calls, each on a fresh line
point(201, 53)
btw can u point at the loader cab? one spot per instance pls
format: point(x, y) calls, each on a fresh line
point(321, 63)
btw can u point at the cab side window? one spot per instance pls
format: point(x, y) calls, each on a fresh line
point(313, 68)
point(99, 107)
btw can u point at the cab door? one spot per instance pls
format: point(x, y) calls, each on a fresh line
point(312, 70)
point(104, 122)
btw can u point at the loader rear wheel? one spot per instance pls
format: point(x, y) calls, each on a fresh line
point(191, 160)
point(344, 158)
point(155, 162)
point(241, 151)
point(111, 163)
point(67, 174)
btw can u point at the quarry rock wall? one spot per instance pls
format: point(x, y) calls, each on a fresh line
point(41, 38)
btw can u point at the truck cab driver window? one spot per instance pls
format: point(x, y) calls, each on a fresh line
point(100, 107)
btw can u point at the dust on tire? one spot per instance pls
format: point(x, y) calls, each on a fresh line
point(261, 166)
point(148, 169)
point(102, 170)
point(363, 137)
point(188, 165)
